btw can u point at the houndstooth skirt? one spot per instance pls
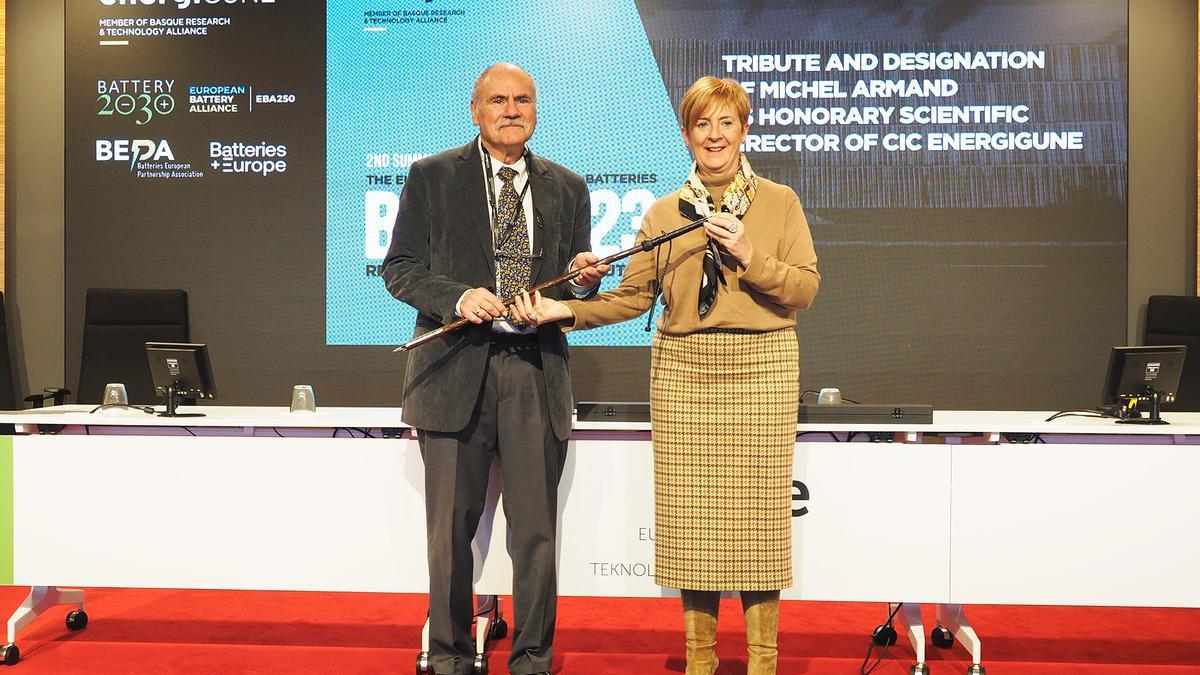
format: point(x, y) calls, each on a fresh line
point(723, 413)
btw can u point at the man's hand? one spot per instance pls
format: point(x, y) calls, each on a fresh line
point(479, 305)
point(591, 274)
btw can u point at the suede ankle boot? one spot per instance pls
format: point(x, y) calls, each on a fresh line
point(700, 630)
point(762, 631)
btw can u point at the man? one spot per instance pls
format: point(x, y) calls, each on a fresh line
point(475, 225)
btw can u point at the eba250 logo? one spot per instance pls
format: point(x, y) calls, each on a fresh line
point(132, 151)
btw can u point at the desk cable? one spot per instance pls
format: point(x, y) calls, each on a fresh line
point(351, 430)
point(1075, 413)
point(149, 410)
point(831, 434)
point(885, 636)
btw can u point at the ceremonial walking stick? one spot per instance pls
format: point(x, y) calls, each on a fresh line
point(647, 245)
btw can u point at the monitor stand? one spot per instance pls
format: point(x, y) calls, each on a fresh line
point(1155, 412)
point(171, 403)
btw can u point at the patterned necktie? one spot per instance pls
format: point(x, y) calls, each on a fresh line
point(513, 268)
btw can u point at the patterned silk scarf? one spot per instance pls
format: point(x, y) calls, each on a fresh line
point(696, 202)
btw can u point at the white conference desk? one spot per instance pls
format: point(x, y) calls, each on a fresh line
point(259, 498)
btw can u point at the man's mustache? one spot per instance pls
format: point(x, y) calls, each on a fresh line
point(511, 123)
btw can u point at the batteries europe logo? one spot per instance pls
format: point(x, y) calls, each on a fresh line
point(249, 158)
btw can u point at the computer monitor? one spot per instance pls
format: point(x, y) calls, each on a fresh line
point(1142, 374)
point(180, 370)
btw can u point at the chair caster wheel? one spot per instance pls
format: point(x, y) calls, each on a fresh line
point(497, 630)
point(884, 635)
point(77, 620)
point(941, 637)
point(976, 669)
point(9, 655)
point(480, 667)
point(423, 663)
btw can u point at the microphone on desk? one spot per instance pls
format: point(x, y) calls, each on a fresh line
point(303, 398)
point(114, 394)
point(115, 399)
point(829, 396)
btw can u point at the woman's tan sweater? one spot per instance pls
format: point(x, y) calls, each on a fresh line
point(780, 279)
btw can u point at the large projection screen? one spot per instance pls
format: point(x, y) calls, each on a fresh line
point(963, 166)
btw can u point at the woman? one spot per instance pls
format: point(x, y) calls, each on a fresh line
point(724, 374)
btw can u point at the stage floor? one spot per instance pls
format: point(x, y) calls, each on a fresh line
point(177, 631)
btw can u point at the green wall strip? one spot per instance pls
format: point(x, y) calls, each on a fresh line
point(6, 510)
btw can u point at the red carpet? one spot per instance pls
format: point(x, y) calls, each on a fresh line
point(156, 631)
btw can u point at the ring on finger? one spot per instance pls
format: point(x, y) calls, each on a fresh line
point(733, 228)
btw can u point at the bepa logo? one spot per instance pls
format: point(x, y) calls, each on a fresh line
point(125, 150)
point(184, 4)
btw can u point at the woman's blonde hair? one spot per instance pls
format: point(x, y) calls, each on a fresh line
point(710, 91)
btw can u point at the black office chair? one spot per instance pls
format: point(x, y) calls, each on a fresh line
point(8, 381)
point(8, 384)
point(1175, 320)
point(116, 325)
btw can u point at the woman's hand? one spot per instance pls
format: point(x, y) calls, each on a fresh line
point(538, 310)
point(730, 233)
